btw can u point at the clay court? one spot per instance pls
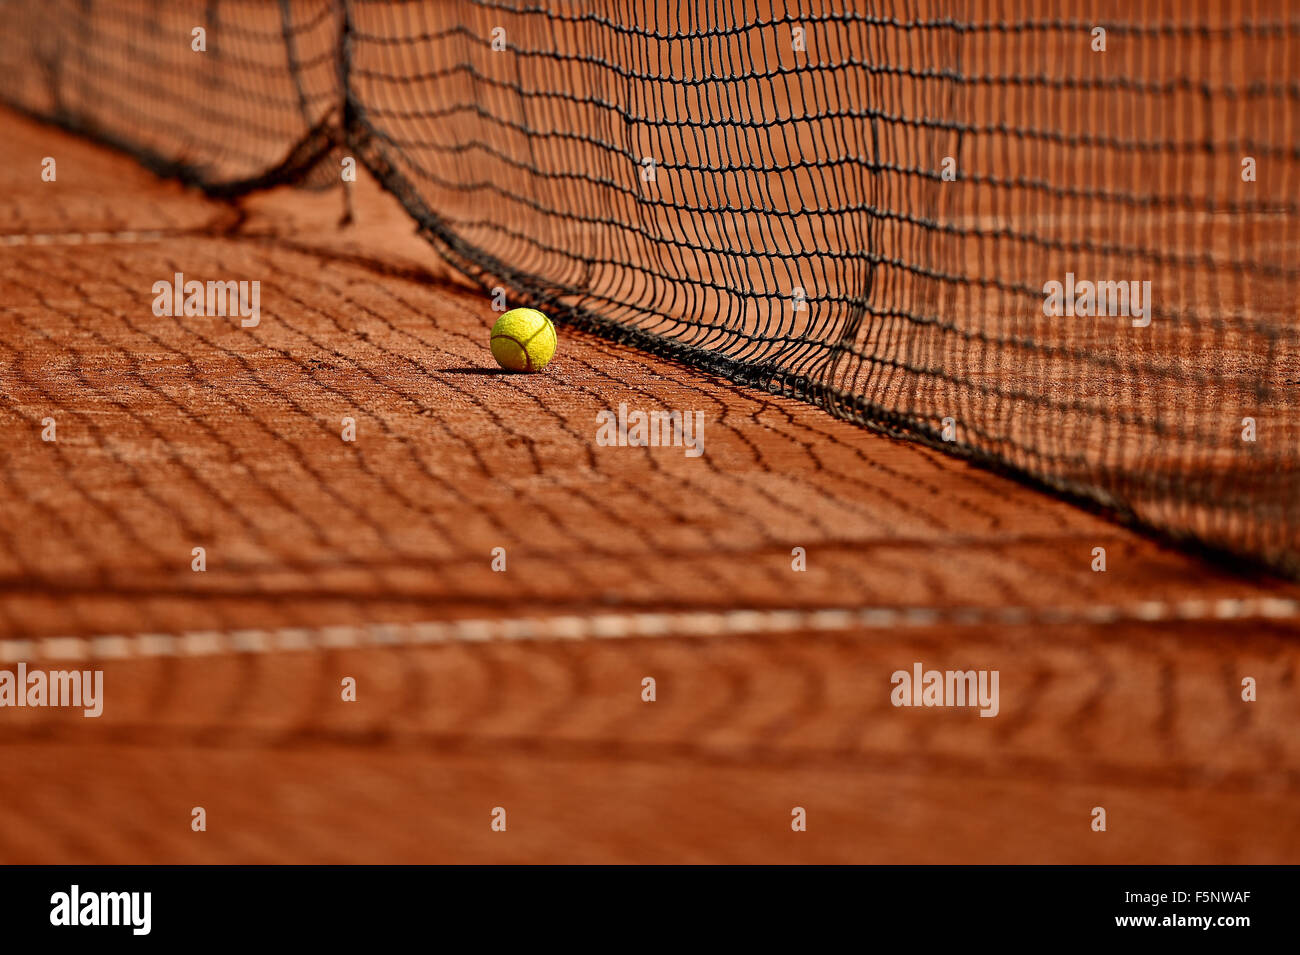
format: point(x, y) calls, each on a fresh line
point(478, 688)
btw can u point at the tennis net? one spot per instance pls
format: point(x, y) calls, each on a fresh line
point(1057, 243)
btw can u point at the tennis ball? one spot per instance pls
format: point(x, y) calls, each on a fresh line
point(523, 339)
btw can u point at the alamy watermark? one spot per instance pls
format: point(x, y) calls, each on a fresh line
point(651, 429)
point(83, 688)
point(75, 907)
point(920, 687)
point(1071, 298)
point(213, 299)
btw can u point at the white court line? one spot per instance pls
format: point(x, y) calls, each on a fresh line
point(628, 625)
point(83, 238)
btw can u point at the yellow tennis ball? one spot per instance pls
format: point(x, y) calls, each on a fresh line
point(523, 339)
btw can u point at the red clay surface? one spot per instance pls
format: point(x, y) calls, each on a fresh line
point(176, 433)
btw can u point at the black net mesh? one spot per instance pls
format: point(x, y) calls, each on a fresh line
point(862, 204)
point(250, 109)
